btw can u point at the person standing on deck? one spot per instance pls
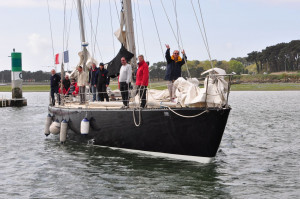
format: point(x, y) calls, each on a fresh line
point(142, 79)
point(81, 82)
point(173, 71)
point(92, 80)
point(54, 79)
point(102, 82)
point(125, 79)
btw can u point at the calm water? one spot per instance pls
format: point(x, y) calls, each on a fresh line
point(258, 158)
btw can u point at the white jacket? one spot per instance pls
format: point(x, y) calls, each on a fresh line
point(81, 78)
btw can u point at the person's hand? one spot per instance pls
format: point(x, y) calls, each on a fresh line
point(167, 46)
point(183, 52)
point(95, 85)
point(90, 84)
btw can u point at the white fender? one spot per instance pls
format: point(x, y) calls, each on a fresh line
point(63, 131)
point(85, 126)
point(47, 124)
point(55, 127)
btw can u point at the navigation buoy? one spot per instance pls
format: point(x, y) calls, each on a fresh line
point(85, 126)
point(63, 131)
point(55, 127)
point(47, 124)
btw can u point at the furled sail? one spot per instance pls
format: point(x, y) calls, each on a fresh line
point(120, 33)
point(115, 64)
point(214, 91)
point(88, 64)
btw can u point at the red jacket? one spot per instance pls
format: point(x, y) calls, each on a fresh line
point(64, 91)
point(142, 74)
point(76, 91)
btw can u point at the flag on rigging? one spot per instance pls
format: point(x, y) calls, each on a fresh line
point(66, 56)
point(57, 58)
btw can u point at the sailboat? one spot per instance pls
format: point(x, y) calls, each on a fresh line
point(190, 129)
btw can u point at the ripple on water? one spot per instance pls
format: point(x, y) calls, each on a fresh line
point(258, 158)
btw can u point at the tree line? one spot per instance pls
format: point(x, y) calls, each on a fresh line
point(280, 57)
point(38, 76)
point(196, 67)
point(276, 58)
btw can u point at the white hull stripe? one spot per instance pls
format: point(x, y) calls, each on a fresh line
point(166, 155)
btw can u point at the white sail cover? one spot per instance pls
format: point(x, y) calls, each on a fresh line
point(189, 94)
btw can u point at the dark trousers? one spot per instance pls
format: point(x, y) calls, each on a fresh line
point(142, 91)
point(102, 93)
point(54, 90)
point(82, 94)
point(124, 92)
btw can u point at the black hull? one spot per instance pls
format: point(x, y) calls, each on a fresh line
point(160, 131)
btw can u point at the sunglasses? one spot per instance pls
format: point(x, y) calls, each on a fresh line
point(176, 53)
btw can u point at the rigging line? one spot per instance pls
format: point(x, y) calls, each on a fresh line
point(69, 31)
point(117, 10)
point(157, 31)
point(91, 15)
point(204, 31)
point(51, 33)
point(198, 24)
point(177, 27)
point(168, 19)
point(95, 36)
point(136, 30)
point(179, 36)
point(112, 30)
point(142, 30)
point(201, 33)
point(68, 35)
point(97, 26)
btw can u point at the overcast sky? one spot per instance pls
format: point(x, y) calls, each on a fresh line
point(234, 28)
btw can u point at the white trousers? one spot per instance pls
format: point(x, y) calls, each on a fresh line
point(171, 89)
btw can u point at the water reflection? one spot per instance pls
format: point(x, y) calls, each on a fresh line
point(118, 171)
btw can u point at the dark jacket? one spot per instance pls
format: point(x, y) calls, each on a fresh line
point(101, 77)
point(92, 76)
point(66, 83)
point(142, 74)
point(55, 79)
point(173, 70)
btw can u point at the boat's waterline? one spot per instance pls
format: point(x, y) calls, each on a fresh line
point(204, 160)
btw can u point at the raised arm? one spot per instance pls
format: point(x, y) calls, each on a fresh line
point(168, 56)
point(184, 57)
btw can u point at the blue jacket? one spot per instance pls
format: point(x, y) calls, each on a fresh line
point(173, 70)
point(55, 79)
point(92, 76)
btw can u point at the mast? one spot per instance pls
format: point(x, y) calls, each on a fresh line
point(129, 30)
point(83, 42)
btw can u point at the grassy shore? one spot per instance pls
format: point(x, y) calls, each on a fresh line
point(159, 86)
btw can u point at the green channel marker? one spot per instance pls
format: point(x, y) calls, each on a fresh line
point(16, 75)
point(16, 62)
